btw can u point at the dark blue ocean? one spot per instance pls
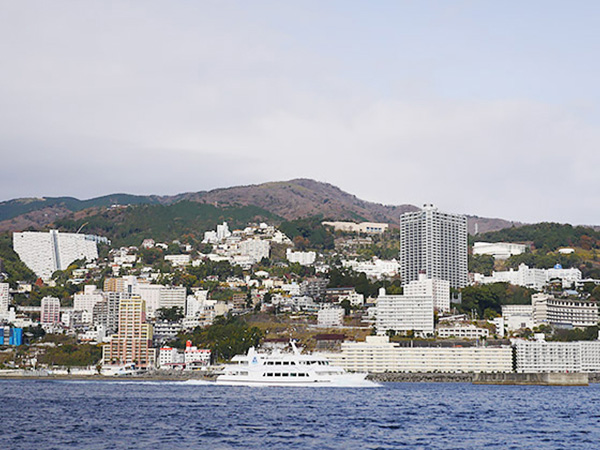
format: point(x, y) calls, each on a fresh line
point(39, 414)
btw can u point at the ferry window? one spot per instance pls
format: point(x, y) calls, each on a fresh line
point(293, 363)
point(285, 374)
point(277, 363)
point(277, 374)
point(293, 374)
point(286, 363)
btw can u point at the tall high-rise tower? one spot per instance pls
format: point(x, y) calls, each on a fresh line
point(434, 243)
point(132, 343)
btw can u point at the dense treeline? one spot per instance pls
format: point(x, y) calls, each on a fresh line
point(308, 233)
point(542, 260)
point(71, 355)
point(129, 226)
point(548, 236)
point(226, 337)
point(339, 277)
point(207, 275)
point(481, 264)
point(487, 300)
point(576, 334)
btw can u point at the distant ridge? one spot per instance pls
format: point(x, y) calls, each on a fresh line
point(289, 200)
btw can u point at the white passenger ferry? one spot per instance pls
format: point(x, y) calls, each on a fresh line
point(287, 369)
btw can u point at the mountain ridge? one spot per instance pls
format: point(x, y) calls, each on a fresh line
point(292, 199)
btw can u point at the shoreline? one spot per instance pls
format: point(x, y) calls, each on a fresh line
point(387, 377)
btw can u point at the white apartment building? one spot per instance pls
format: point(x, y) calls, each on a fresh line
point(45, 253)
point(169, 357)
point(4, 297)
point(178, 260)
point(567, 276)
point(255, 249)
point(363, 227)
point(435, 243)
point(402, 313)
point(532, 278)
point(195, 357)
point(166, 330)
point(377, 354)
point(291, 288)
point(50, 311)
point(542, 356)
point(302, 258)
point(86, 300)
point(462, 331)
point(330, 317)
point(439, 290)
point(195, 303)
point(524, 276)
point(377, 268)
point(354, 298)
point(106, 312)
point(214, 237)
point(150, 293)
point(172, 296)
point(498, 323)
point(499, 250)
point(517, 317)
point(564, 311)
point(456, 359)
point(539, 306)
point(223, 231)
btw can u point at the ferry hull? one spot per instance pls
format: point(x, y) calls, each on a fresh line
point(346, 380)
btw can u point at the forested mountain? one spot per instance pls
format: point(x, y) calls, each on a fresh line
point(288, 200)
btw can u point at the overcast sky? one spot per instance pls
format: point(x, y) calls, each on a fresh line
point(481, 107)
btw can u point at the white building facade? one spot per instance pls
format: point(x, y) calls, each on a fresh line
point(542, 356)
point(4, 298)
point(377, 354)
point(302, 258)
point(499, 250)
point(403, 313)
point(330, 317)
point(45, 253)
point(435, 243)
point(86, 300)
point(439, 290)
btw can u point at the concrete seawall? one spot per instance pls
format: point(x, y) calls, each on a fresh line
point(548, 379)
point(543, 379)
point(399, 377)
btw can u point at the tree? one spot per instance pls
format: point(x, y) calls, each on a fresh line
point(481, 264)
point(491, 297)
point(346, 305)
point(226, 337)
point(173, 314)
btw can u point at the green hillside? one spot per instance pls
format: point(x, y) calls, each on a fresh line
point(129, 226)
point(12, 264)
point(547, 236)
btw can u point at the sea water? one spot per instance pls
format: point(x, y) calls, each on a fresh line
point(45, 414)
